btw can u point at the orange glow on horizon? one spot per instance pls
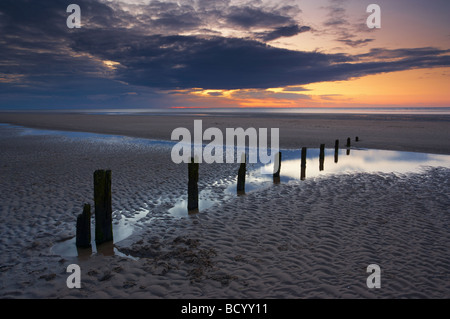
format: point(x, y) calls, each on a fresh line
point(425, 87)
point(413, 88)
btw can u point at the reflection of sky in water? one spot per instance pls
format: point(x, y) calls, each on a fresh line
point(180, 208)
point(122, 229)
point(106, 138)
point(359, 160)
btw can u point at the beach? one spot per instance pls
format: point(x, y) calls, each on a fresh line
point(301, 239)
point(403, 132)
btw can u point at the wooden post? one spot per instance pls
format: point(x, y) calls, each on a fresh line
point(193, 185)
point(321, 156)
point(103, 208)
point(303, 164)
point(83, 238)
point(336, 151)
point(348, 146)
point(277, 165)
point(241, 175)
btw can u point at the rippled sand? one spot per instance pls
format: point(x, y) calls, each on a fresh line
point(307, 239)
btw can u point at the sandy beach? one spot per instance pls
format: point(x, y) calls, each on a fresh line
point(301, 239)
point(415, 133)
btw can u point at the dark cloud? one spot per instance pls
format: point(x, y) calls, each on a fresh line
point(280, 32)
point(379, 53)
point(230, 63)
point(213, 63)
point(247, 17)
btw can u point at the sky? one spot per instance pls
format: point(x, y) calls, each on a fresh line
point(149, 54)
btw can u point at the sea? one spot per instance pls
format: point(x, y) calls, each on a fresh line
point(266, 110)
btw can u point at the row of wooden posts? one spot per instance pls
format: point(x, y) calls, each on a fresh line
point(193, 171)
point(103, 202)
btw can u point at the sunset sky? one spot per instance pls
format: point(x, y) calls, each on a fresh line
point(224, 53)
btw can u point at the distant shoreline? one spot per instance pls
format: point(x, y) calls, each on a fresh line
point(254, 111)
point(427, 133)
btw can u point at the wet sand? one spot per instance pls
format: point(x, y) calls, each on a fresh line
point(303, 239)
point(415, 133)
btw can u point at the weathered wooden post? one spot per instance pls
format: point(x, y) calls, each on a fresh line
point(277, 165)
point(303, 164)
point(241, 175)
point(83, 236)
point(103, 208)
point(348, 146)
point(193, 185)
point(336, 151)
point(321, 156)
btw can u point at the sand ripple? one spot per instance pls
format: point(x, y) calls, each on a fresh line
point(304, 239)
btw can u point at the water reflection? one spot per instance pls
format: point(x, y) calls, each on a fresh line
point(360, 160)
point(312, 163)
point(180, 209)
point(122, 229)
